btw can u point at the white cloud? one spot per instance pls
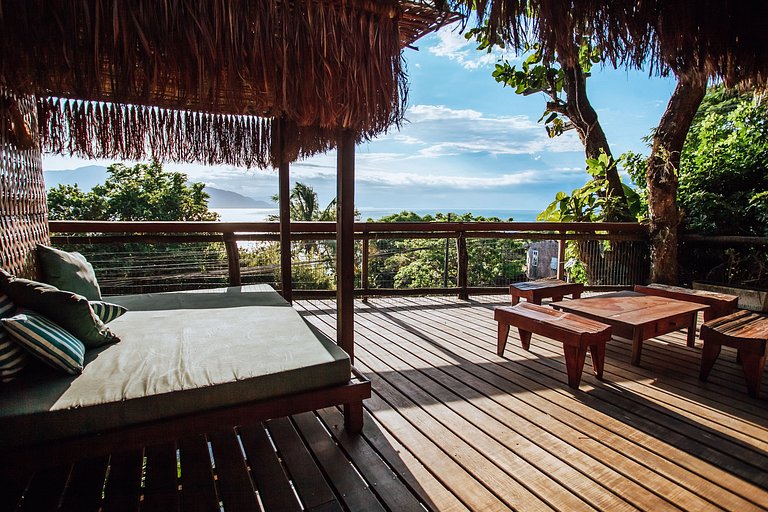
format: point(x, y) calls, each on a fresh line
point(453, 45)
point(449, 132)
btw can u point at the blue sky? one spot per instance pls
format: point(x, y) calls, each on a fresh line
point(468, 143)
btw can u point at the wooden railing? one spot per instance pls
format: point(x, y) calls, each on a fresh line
point(230, 233)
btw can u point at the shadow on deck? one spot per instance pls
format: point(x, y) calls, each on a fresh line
point(452, 426)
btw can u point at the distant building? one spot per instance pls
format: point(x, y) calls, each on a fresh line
point(541, 259)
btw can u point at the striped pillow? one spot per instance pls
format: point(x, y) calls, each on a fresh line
point(106, 311)
point(13, 358)
point(46, 340)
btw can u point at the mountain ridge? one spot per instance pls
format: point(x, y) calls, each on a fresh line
point(91, 175)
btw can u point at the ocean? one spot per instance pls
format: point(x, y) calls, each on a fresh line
point(261, 214)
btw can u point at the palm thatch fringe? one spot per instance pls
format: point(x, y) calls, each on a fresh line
point(112, 131)
point(208, 67)
point(724, 39)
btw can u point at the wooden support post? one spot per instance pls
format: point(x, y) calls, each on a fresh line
point(364, 270)
point(345, 243)
point(561, 258)
point(463, 256)
point(233, 259)
point(284, 192)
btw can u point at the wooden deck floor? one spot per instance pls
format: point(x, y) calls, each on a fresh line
point(452, 426)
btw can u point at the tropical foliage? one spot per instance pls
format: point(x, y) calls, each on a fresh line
point(431, 263)
point(141, 192)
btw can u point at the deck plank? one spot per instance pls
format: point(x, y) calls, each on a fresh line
point(310, 484)
point(381, 479)
point(123, 489)
point(198, 490)
point(274, 488)
point(235, 487)
point(161, 485)
point(46, 489)
point(86, 485)
point(352, 489)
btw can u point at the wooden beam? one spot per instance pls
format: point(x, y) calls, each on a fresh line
point(345, 243)
point(286, 283)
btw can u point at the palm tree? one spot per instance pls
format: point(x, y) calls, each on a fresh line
point(305, 206)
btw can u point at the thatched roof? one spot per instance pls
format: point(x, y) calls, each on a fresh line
point(201, 81)
point(723, 38)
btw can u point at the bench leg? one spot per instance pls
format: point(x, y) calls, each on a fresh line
point(525, 338)
point(576, 295)
point(574, 363)
point(753, 364)
point(557, 298)
point(353, 417)
point(501, 338)
point(598, 359)
point(709, 353)
point(515, 299)
point(691, 341)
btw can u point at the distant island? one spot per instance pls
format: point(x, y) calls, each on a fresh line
point(88, 177)
point(228, 199)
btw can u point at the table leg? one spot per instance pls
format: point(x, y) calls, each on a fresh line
point(501, 338)
point(691, 342)
point(637, 345)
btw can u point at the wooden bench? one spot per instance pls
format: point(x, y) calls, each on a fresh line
point(720, 304)
point(534, 291)
point(576, 334)
point(745, 331)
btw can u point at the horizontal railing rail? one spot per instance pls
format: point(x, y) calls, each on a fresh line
point(230, 233)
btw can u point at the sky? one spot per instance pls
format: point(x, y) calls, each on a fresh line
point(468, 143)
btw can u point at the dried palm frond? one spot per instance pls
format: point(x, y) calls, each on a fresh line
point(725, 39)
point(179, 80)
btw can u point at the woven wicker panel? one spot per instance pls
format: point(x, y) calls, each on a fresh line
point(23, 208)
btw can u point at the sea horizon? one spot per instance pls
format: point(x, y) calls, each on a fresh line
point(375, 213)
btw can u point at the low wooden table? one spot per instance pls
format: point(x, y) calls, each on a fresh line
point(577, 334)
point(637, 316)
point(745, 331)
point(720, 304)
point(534, 291)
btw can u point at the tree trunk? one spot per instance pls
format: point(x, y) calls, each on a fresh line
point(662, 174)
point(580, 112)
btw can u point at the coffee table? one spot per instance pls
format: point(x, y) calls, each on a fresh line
point(637, 316)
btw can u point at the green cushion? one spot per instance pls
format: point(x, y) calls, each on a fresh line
point(13, 358)
point(46, 340)
point(68, 271)
point(67, 309)
point(107, 311)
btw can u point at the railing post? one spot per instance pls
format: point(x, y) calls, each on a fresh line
point(561, 257)
point(463, 263)
point(364, 269)
point(233, 259)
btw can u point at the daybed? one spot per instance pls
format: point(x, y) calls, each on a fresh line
point(187, 363)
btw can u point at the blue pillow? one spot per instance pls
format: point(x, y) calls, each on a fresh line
point(13, 358)
point(106, 311)
point(46, 340)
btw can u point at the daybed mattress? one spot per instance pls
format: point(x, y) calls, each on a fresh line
point(180, 353)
